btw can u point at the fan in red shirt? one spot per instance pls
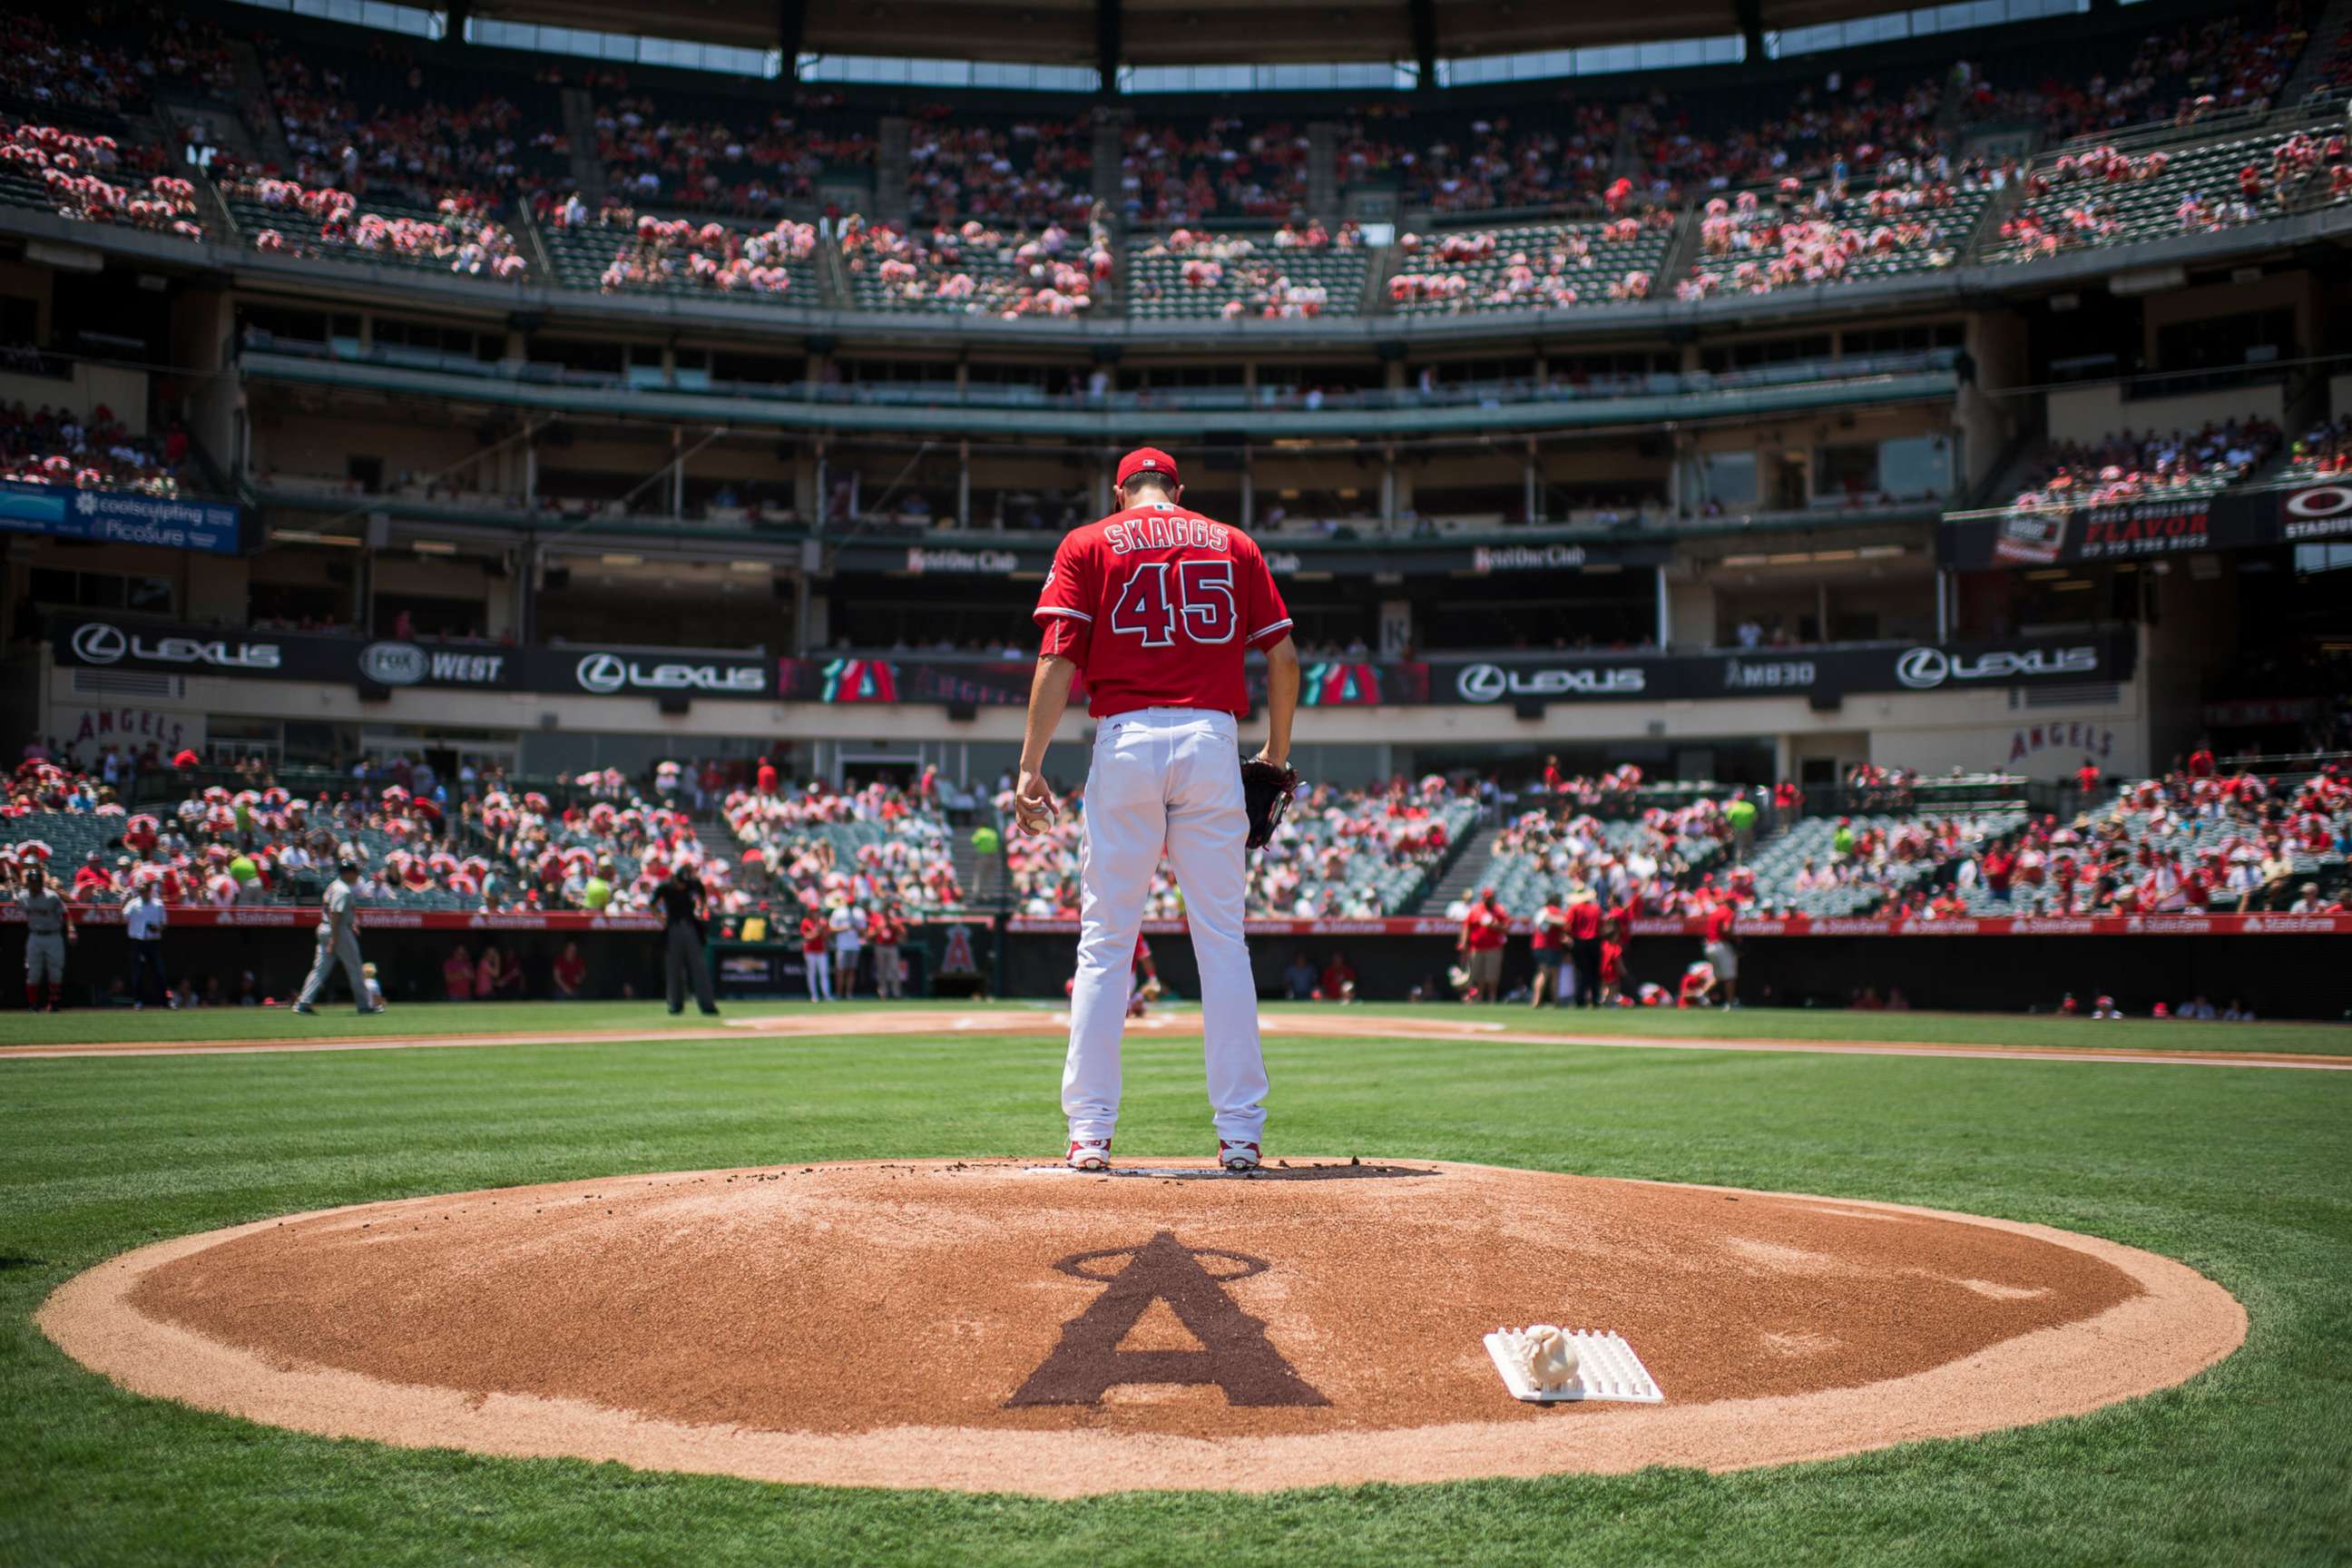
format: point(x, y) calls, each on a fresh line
point(1484, 931)
point(814, 932)
point(1721, 954)
point(1551, 972)
point(1585, 945)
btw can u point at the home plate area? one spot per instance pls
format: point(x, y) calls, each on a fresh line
point(1000, 1326)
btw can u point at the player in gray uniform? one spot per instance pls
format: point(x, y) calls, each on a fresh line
point(339, 941)
point(46, 932)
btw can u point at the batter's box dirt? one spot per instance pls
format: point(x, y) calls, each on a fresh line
point(975, 1326)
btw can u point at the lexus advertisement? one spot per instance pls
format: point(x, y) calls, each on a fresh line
point(1500, 680)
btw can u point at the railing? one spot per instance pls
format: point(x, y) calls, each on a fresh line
point(1016, 397)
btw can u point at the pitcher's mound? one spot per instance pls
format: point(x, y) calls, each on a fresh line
point(988, 1326)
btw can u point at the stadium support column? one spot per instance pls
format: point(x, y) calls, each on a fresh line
point(456, 14)
point(1424, 42)
point(676, 474)
point(1750, 13)
point(963, 484)
point(1388, 489)
point(1943, 604)
point(1531, 488)
point(1109, 44)
point(1665, 607)
point(1249, 491)
point(792, 25)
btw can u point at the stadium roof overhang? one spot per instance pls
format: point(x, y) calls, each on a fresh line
point(1180, 32)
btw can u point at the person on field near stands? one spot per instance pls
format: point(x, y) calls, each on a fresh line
point(143, 919)
point(1722, 951)
point(814, 932)
point(1337, 983)
point(1484, 931)
point(457, 974)
point(1741, 814)
point(1613, 964)
point(847, 923)
point(571, 972)
point(1547, 945)
point(886, 929)
point(339, 941)
point(1584, 942)
point(47, 933)
point(685, 965)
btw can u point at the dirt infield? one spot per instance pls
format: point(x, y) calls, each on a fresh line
point(1437, 1026)
point(989, 1327)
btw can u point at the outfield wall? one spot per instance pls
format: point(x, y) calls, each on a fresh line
point(2288, 967)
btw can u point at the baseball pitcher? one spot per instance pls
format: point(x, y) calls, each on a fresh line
point(339, 941)
point(1156, 604)
point(46, 932)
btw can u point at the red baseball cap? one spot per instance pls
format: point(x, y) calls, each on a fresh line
point(1147, 460)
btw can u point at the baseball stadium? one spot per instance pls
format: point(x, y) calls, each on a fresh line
point(1345, 782)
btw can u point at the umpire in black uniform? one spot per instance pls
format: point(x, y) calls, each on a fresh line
point(684, 961)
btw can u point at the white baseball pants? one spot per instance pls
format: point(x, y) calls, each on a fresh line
point(1164, 776)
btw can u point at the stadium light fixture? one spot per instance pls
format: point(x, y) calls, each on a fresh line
point(306, 536)
point(617, 559)
point(433, 547)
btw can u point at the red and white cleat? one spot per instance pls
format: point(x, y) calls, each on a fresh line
point(1090, 1154)
point(1236, 1156)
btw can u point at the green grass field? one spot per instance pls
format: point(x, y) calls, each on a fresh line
point(2245, 1174)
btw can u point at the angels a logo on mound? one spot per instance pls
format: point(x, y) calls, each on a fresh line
point(1235, 1352)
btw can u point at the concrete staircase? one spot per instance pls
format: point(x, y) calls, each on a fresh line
point(1460, 878)
point(893, 140)
point(2330, 26)
point(268, 136)
point(580, 131)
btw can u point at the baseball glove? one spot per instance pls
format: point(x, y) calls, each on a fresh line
point(1267, 789)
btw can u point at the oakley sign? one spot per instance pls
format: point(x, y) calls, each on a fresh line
point(605, 674)
point(1492, 683)
point(1925, 668)
point(99, 642)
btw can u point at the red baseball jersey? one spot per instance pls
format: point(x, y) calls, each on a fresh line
point(1156, 605)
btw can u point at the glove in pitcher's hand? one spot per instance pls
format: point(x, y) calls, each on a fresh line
point(1267, 787)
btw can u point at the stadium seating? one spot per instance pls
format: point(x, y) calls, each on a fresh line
point(735, 155)
point(283, 218)
point(2101, 197)
point(973, 270)
point(619, 250)
point(1758, 242)
point(1023, 172)
point(1527, 266)
point(93, 179)
point(2179, 465)
point(1178, 172)
point(1293, 271)
point(818, 847)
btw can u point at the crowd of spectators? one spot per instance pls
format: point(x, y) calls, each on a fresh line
point(811, 849)
point(2323, 451)
point(2131, 467)
point(95, 68)
point(2199, 839)
point(1752, 246)
point(1024, 173)
point(975, 269)
point(1257, 276)
point(711, 166)
point(92, 179)
point(1173, 174)
point(47, 446)
point(1458, 269)
point(652, 252)
point(1494, 162)
point(1834, 133)
point(463, 233)
point(2227, 60)
point(420, 147)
